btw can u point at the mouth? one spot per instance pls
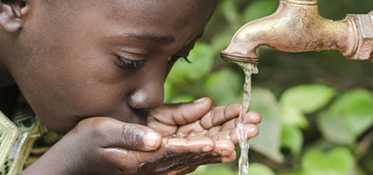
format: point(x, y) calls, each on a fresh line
point(139, 116)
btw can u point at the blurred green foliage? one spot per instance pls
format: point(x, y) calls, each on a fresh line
point(317, 108)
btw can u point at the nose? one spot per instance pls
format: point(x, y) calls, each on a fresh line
point(148, 96)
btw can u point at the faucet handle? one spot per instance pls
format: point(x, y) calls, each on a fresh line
point(364, 29)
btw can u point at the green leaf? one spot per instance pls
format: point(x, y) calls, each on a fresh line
point(338, 161)
point(230, 12)
point(307, 98)
point(224, 86)
point(268, 142)
point(259, 9)
point(221, 41)
point(202, 60)
point(214, 170)
point(348, 117)
point(293, 117)
point(260, 169)
point(168, 91)
point(292, 138)
point(182, 99)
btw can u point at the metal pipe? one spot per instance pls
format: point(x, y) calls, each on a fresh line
point(296, 26)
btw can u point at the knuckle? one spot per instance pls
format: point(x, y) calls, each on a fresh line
point(181, 117)
point(132, 136)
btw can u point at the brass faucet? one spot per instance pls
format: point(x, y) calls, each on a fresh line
point(297, 26)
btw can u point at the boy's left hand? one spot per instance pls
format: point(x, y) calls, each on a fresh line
point(202, 123)
point(192, 135)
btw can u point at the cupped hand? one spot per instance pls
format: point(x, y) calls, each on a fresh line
point(176, 140)
point(192, 135)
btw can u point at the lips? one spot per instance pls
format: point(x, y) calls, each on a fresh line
point(130, 115)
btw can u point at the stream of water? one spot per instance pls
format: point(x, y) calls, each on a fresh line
point(249, 69)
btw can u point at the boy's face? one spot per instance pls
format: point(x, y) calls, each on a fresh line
point(82, 58)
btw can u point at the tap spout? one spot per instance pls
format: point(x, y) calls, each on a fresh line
point(296, 26)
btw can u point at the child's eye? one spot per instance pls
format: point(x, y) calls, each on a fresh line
point(129, 64)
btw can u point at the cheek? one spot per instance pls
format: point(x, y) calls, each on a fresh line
point(65, 76)
point(62, 87)
point(92, 79)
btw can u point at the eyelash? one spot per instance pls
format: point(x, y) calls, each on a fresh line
point(128, 64)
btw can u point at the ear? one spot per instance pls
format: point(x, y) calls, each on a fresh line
point(11, 16)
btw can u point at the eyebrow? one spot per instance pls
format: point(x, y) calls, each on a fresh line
point(163, 39)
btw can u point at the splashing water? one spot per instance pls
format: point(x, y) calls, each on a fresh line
point(243, 164)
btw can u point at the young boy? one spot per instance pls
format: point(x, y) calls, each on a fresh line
point(94, 71)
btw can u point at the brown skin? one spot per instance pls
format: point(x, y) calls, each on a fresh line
point(75, 60)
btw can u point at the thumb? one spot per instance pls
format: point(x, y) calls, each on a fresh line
point(182, 114)
point(111, 133)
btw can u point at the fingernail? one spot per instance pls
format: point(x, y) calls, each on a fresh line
point(251, 131)
point(152, 140)
point(201, 100)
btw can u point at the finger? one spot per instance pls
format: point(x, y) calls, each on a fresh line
point(226, 149)
point(248, 131)
point(195, 144)
point(182, 114)
point(230, 124)
point(163, 129)
point(252, 117)
point(214, 131)
point(114, 133)
point(191, 129)
point(249, 118)
point(220, 115)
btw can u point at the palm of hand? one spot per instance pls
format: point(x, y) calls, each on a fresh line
point(192, 135)
point(190, 140)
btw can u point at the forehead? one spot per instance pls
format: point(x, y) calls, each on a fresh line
point(168, 13)
point(180, 18)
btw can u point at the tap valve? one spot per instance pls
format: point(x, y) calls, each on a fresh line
point(364, 34)
point(296, 27)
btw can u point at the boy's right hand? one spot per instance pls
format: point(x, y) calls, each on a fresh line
point(103, 145)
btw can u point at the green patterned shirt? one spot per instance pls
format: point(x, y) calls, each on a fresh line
point(17, 137)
